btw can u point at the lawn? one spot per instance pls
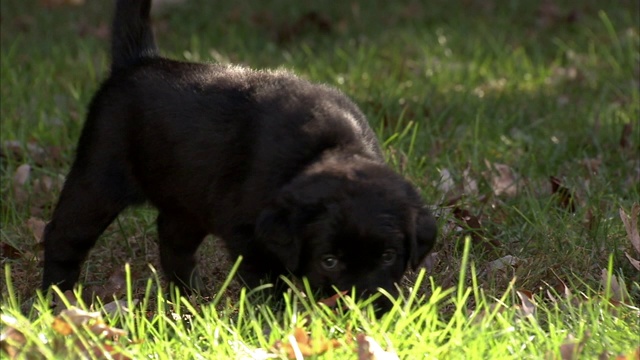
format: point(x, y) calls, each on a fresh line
point(519, 121)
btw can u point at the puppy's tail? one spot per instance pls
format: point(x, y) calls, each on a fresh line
point(131, 38)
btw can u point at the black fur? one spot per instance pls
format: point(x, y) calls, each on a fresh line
point(288, 173)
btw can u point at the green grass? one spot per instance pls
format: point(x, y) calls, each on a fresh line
point(448, 86)
point(414, 327)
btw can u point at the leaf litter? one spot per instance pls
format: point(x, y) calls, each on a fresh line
point(72, 323)
point(631, 226)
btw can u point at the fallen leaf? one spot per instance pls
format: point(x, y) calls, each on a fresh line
point(62, 327)
point(11, 149)
point(561, 289)
point(592, 165)
point(627, 129)
point(431, 261)
point(22, 175)
point(100, 31)
point(369, 349)
point(10, 252)
point(59, 302)
point(446, 183)
point(565, 197)
point(301, 345)
point(332, 301)
point(503, 263)
point(548, 13)
point(104, 351)
point(115, 306)
point(102, 329)
point(32, 153)
point(503, 179)
point(618, 288)
point(571, 348)
point(75, 318)
point(43, 184)
point(114, 287)
point(37, 227)
point(631, 225)
point(478, 316)
point(635, 355)
point(474, 228)
point(635, 263)
point(469, 185)
point(245, 353)
point(528, 305)
point(12, 340)
point(20, 178)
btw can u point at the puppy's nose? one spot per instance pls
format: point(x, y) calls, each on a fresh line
point(382, 304)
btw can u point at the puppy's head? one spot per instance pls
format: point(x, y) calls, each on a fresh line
point(359, 227)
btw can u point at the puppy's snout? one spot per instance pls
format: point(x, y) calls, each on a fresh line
point(382, 303)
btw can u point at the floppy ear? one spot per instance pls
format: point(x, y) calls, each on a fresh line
point(275, 230)
point(424, 237)
point(280, 226)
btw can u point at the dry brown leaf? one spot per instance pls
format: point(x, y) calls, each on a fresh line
point(9, 251)
point(115, 286)
point(469, 184)
point(301, 345)
point(631, 225)
point(332, 301)
point(619, 291)
point(446, 183)
point(43, 185)
point(114, 307)
point(32, 153)
point(75, 318)
point(560, 289)
point(12, 340)
point(62, 327)
point(571, 348)
point(37, 227)
point(59, 303)
point(565, 196)
point(503, 263)
point(474, 228)
point(635, 263)
point(369, 349)
point(102, 329)
point(505, 181)
point(431, 261)
point(635, 355)
point(478, 315)
point(12, 148)
point(627, 129)
point(22, 175)
point(104, 351)
point(528, 305)
point(592, 165)
point(99, 30)
point(20, 178)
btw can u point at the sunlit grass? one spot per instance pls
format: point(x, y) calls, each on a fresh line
point(449, 88)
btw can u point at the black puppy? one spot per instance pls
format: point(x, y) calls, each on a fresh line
point(288, 173)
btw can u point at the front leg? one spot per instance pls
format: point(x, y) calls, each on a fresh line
point(179, 238)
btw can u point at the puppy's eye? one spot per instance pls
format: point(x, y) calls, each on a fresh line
point(388, 257)
point(329, 262)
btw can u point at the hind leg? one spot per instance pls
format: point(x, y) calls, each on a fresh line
point(179, 238)
point(90, 200)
